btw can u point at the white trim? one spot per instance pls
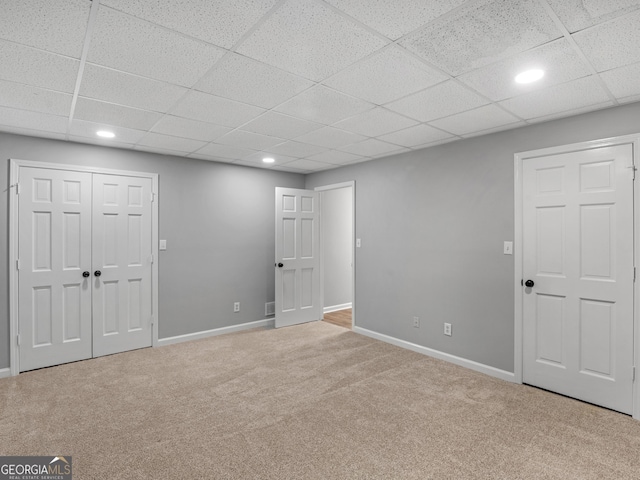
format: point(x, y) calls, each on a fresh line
point(518, 166)
point(336, 186)
point(14, 170)
point(5, 372)
point(337, 308)
point(463, 362)
point(266, 323)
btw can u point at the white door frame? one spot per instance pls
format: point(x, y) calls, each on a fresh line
point(14, 169)
point(336, 186)
point(518, 189)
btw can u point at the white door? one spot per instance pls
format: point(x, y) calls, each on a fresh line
point(297, 257)
point(578, 252)
point(84, 279)
point(121, 263)
point(54, 250)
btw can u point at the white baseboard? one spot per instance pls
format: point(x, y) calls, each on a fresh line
point(5, 372)
point(267, 322)
point(335, 308)
point(463, 362)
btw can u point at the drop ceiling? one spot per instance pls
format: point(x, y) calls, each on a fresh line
point(314, 84)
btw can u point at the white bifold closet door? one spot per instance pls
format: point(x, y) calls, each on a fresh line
point(84, 252)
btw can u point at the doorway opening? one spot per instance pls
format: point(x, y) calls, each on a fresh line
point(337, 274)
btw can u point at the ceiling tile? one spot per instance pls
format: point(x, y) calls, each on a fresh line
point(210, 158)
point(256, 158)
point(375, 122)
point(612, 44)
point(135, 46)
point(308, 165)
point(440, 101)
point(303, 26)
point(323, 105)
point(38, 68)
point(397, 18)
point(32, 133)
point(103, 142)
point(249, 81)
point(240, 138)
point(335, 157)
point(390, 74)
point(575, 111)
point(81, 128)
point(631, 99)
point(285, 168)
point(568, 96)
point(330, 137)
point(414, 136)
point(296, 149)
point(624, 81)
point(483, 33)
point(12, 117)
point(158, 140)
point(501, 128)
point(558, 59)
point(278, 125)
point(187, 128)
point(218, 110)
point(34, 99)
point(483, 118)
point(222, 22)
point(126, 89)
point(54, 25)
point(371, 148)
point(158, 150)
point(579, 14)
point(225, 151)
point(117, 115)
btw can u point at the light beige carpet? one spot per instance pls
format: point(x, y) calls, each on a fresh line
point(309, 402)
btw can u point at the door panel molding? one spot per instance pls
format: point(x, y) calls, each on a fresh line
point(14, 170)
point(519, 158)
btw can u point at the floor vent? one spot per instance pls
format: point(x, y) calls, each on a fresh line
point(269, 309)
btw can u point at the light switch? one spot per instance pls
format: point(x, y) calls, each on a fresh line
point(163, 244)
point(358, 243)
point(508, 248)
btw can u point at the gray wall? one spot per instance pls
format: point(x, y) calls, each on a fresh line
point(433, 223)
point(218, 221)
point(337, 234)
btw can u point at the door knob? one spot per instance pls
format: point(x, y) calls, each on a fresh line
point(97, 273)
point(85, 274)
point(529, 283)
point(280, 265)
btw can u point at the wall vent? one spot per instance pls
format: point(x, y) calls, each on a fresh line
point(269, 309)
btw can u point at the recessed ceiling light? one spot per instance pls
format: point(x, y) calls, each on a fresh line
point(105, 134)
point(268, 160)
point(530, 76)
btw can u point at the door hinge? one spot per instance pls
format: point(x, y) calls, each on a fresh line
point(151, 258)
point(634, 274)
point(17, 185)
point(18, 339)
point(18, 264)
point(633, 374)
point(152, 321)
point(633, 171)
point(153, 197)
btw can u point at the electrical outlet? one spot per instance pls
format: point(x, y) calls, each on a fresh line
point(416, 322)
point(236, 307)
point(447, 329)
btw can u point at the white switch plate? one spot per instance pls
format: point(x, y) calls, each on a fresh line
point(508, 248)
point(163, 244)
point(358, 243)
